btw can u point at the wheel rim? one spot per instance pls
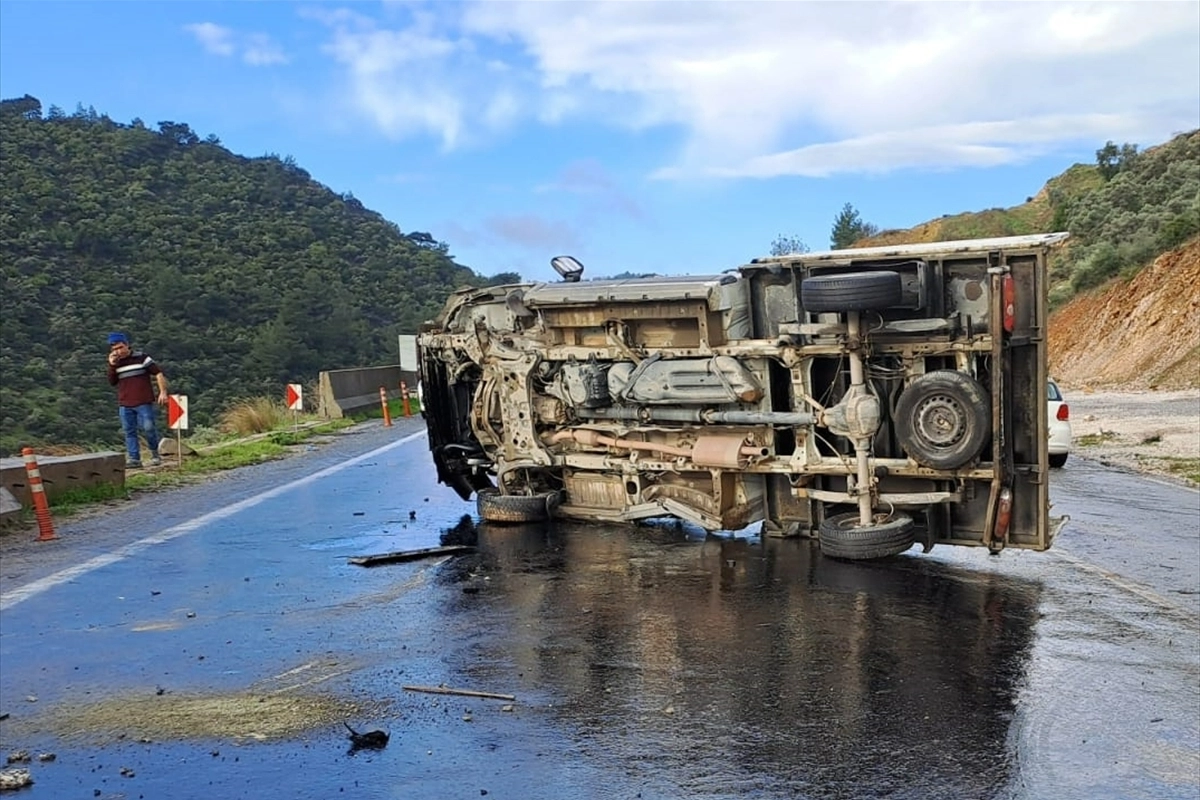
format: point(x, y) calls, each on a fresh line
point(852, 523)
point(941, 420)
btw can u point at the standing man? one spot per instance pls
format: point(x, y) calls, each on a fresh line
point(130, 372)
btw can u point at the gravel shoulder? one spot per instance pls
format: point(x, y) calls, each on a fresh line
point(1152, 432)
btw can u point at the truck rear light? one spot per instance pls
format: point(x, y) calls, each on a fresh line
point(1003, 515)
point(1064, 413)
point(1008, 298)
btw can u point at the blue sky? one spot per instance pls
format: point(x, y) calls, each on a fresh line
point(638, 136)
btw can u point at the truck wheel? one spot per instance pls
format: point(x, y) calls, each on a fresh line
point(843, 537)
point(943, 419)
point(850, 291)
point(1058, 459)
point(496, 507)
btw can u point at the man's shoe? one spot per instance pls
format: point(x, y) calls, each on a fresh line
point(155, 460)
point(131, 464)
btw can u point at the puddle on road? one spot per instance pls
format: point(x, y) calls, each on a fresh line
point(244, 716)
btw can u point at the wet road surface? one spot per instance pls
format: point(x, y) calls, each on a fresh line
point(217, 657)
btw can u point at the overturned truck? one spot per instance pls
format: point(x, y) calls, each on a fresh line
point(871, 398)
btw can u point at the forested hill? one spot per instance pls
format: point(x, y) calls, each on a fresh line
point(237, 274)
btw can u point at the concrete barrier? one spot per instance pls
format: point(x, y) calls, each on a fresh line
point(62, 473)
point(344, 391)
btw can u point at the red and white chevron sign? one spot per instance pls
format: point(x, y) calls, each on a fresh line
point(295, 397)
point(177, 412)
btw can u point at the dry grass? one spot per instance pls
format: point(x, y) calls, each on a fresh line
point(63, 450)
point(257, 415)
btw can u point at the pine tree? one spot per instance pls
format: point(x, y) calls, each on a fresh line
point(848, 228)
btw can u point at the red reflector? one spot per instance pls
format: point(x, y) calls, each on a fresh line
point(1064, 413)
point(1003, 515)
point(1008, 299)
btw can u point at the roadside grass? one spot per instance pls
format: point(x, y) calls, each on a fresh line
point(215, 451)
point(72, 501)
point(1093, 439)
point(1188, 468)
point(231, 453)
point(250, 432)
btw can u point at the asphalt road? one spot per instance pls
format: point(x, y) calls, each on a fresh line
point(209, 642)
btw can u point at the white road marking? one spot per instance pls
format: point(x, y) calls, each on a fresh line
point(1122, 583)
point(311, 681)
point(300, 668)
point(22, 593)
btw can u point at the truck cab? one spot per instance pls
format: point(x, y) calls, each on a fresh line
point(871, 398)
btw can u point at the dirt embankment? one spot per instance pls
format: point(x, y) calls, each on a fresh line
point(1128, 358)
point(1142, 333)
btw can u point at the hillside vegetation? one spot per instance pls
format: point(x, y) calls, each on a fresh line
point(1120, 216)
point(237, 274)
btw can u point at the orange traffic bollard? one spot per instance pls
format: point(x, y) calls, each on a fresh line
point(404, 397)
point(387, 415)
point(41, 508)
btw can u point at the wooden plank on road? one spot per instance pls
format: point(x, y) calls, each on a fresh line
point(409, 555)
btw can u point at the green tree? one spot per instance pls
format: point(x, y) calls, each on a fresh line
point(1112, 159)
point(848, 228)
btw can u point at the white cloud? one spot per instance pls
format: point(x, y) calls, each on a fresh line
point(979, 144)
point(761, 89)
point(259, 50)
point(255, 49)
point(213, 38)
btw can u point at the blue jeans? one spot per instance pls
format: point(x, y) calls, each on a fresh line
point(134, 418)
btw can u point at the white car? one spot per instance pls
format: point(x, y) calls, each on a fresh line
point(1059, 414)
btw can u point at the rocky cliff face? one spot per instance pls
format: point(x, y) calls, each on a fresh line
point(1141, 333)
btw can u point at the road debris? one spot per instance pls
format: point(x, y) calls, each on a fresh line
point(371, 740)
point(14, 779)
point(409, 555)
point(459, 692)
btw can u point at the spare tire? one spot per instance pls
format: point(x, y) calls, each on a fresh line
point(851, 291)
point(496, 507)
point(943, 419)
point(842, 536)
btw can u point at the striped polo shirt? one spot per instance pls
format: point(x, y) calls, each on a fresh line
point(131, 376)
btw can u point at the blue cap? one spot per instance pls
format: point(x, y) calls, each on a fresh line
point(113, 338)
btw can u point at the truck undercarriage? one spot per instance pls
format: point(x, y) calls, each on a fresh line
point(871, 397)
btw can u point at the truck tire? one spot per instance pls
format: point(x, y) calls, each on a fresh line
point(850, 291)
point(496, 507)
point(843, 537)
point(943, 419)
